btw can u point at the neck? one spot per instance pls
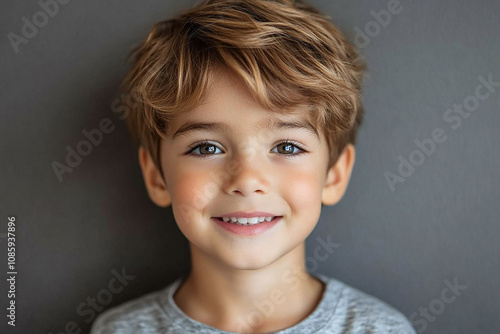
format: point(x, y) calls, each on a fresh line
point(271, 298)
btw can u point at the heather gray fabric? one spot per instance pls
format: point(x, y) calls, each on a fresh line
point(342, 309)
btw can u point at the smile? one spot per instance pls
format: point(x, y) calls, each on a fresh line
point(247, 227)
point(246, 221)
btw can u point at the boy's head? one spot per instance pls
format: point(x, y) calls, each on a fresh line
point(284, 50)
point(282, 84)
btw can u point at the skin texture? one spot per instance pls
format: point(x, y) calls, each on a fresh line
point(241, 169)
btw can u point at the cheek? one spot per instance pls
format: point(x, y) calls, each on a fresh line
point(303, 192)
point(192, 189)
point(189, 199)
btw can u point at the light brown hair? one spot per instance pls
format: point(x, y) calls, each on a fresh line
point(285, 51)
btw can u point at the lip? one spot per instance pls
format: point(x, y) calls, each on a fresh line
point(241, 214)
point(247, 230)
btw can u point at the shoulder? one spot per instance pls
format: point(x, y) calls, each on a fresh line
point(140, 315)
point(359, 312)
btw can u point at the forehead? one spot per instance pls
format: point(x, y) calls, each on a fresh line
point(228, 103)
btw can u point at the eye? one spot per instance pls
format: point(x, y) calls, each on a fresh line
point(204, 149)
point(290, 148)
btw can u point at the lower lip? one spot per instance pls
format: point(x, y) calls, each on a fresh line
point(247, 230)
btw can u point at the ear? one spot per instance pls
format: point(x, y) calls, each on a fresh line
point(338, 176)
point(157, 189)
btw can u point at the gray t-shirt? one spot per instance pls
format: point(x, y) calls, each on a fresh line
point(342, 309)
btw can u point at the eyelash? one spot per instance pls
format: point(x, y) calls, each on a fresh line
point(206, 142)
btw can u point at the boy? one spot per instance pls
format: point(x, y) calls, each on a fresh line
point(247, 119)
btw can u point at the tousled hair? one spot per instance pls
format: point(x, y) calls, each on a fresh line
point(285, 51)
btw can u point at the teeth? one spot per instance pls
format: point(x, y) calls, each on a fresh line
point(246, 221)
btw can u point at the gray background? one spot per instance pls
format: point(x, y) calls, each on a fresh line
point(401, 245)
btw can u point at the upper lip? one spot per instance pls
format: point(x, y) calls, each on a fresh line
point(241, 214)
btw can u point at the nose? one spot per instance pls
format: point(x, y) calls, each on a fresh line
point(248, 175)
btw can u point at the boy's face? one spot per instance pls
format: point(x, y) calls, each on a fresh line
point(244, 167)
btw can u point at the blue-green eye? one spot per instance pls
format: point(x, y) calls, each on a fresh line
point(203, 149)
point(289, 148)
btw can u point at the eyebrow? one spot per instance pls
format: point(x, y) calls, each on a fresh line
point(192, 126)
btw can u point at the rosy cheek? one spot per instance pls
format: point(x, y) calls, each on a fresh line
point(303, 190)
point(193, 190)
